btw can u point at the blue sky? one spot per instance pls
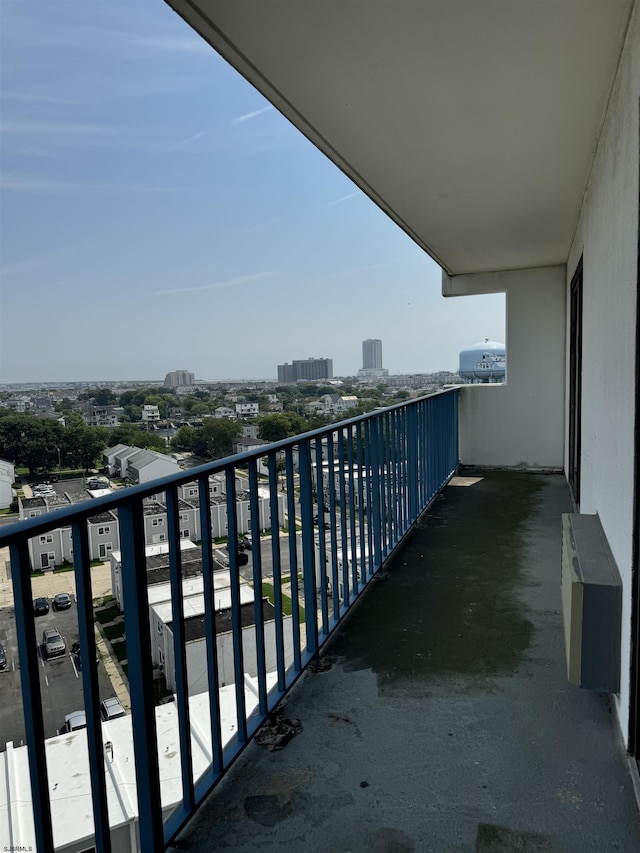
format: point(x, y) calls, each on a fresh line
point(158, 214)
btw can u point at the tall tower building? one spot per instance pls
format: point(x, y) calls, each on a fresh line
point(372, 354)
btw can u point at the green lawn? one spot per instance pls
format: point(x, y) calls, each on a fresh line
point(107, 615)
point(287, 604)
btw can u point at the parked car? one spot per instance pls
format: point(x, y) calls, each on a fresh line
point(242, 558)
point(246, 541)
point(325, 524)
point(40, 606)
point(3, 657)
point(74, 721)
point(111, 709)
point(53, 642)
point(62, 601)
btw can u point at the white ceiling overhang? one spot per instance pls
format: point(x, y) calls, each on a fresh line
point(472, 123)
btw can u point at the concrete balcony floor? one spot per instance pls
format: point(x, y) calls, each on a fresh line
point(445, 722)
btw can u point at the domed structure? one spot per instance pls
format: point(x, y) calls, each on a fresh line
point(483, 362)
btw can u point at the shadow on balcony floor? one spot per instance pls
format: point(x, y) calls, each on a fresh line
point(446, 723)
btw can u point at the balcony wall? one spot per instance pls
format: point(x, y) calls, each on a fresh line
point(519, 424)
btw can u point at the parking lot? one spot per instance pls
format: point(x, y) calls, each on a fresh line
point(60, 677)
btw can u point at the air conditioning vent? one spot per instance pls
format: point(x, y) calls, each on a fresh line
point(591, 604)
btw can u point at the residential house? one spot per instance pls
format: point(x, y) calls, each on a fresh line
point(101, 416)
point(157, 565)
point(147, 465)
point(247, 410)
point(7, 479)
point(150, 415)
point(224, 412)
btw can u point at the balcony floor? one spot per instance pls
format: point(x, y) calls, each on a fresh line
point(446, 722)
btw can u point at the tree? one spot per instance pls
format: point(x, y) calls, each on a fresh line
point(215, 438)
point(80, 444)
point(184, 439)
point(30, 441)
point(104, 397)
point(135, 436)
point(280, 425)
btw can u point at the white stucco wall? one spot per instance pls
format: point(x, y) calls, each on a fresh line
point(520, 423)
point(607, 238)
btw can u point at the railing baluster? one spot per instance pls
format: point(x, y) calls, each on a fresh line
point(179, 648)
point(308, 555)
point(293, 560)
point(277, 570)
point(321, 568)
point(31, 696)
point(344, 545)
point(206, 542)
point(84, 605)
point(256, 559)
point(331, 480)
point(236, 619)
point(376, 494)
point(136, 615)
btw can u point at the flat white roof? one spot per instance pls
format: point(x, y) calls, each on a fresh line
point(99, 493)
point(194, 605)
point(155, 550)
point(70, 781)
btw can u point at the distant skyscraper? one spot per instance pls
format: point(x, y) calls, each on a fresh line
point(178, 379)
point(308, 369)
point(372, 354)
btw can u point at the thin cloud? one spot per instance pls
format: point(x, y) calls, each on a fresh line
point(58, 127)
point(189, 139)
point(171, 44)
point(343, 199)
point(13, 182)
point(249, 116)
point(39, 98)
point(232, 282)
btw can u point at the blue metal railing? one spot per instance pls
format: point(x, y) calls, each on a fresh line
point(366, 479)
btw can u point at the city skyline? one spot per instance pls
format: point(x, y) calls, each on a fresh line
point(156, 210)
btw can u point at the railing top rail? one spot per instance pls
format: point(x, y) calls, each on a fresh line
point(93, 506)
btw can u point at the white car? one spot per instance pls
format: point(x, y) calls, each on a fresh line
point(74, 721)
point(111, 709)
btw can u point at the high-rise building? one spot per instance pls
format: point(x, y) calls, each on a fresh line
point(178, 379)
point(372, 354)
point(308, 369)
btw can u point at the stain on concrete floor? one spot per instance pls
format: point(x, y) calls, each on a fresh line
point(452, 604)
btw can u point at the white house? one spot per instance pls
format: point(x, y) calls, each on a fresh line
point(162, 642)
point(150, 415)
point(224, 412)
point(247, 410)
point(7, 479)
point(147, 465)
